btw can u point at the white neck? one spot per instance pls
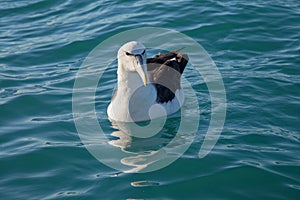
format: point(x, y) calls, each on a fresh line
point(131, 91)
point(129, 81)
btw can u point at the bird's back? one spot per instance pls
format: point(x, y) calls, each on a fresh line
point(165, 73)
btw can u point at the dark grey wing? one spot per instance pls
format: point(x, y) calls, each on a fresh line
point(165, 73)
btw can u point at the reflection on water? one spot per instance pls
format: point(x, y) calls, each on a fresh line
point(147, 152)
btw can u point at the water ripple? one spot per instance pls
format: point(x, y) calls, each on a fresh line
point(255, 45)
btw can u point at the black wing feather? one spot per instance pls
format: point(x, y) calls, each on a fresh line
point(165, 72)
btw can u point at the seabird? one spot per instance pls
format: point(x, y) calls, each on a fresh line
point(146, 88)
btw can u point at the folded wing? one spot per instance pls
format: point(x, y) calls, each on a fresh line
point(165, 73)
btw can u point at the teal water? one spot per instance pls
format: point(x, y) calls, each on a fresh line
point(255, 45)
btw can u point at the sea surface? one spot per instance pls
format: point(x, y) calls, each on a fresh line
point(256, 47)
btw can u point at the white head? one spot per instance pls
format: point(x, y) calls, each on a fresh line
point(132, 58)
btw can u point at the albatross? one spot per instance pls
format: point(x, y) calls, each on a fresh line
point(146, 88)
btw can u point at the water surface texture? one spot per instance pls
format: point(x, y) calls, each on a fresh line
point(255, 45)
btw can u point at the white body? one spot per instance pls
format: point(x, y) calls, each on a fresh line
point(135, 100)
point(125, 109)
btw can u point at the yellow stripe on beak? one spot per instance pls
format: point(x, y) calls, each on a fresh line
point(145, 80)
point(140, 69)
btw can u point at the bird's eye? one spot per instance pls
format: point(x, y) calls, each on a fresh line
point(128, 54)
point(143, 52)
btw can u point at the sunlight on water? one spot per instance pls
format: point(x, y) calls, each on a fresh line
point(255, 46)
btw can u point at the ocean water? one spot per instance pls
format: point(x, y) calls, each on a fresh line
point(256, 47)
